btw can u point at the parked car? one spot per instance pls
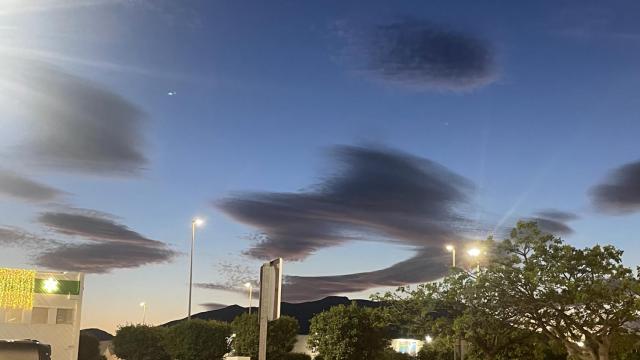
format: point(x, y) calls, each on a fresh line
point(24, 350)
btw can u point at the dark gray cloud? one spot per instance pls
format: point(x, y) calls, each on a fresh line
point(228, 286)
point(22, 188)
point(377, 195)
point(213, 306)
point(90, 226)
point(620, 193)
point(74, 124)
point(427, 265)
point(16, 237)
point(423, 55)
point(558, 215)
point(555, 221)
point(111, 245)
point(103, 257)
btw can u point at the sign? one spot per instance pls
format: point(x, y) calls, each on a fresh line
point(270, 297)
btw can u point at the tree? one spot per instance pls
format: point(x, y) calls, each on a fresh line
point(89, 348)
point(581, 298)
point(246, 330)
point(140, 342)
point(198, 340)
point(281, 336)
point(349, 333)
point(451, 311)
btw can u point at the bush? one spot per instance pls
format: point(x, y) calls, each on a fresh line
point(296, 356)
point(281, 336)
point(88, 348)
point(246, 330)
point(198, 340)
point(349, 333)
point(390, 354)
point(140, 342)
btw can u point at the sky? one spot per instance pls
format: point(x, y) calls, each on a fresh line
point(353, 139)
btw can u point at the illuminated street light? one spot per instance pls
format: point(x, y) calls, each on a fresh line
point(249, 286)
point(51, 285)
point(428, 339)
point(143, 305)
point(194, 223)
point(452, 250)
point(475, 253)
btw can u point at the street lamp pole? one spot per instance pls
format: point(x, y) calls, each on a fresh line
point(195, 222)
point(144, 311)
point(452, 250)
point(250, 287)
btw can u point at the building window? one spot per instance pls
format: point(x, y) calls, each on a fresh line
point(64, 316)
point(13, 316)
point(39, 315)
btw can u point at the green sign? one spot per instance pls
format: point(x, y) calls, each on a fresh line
point(57, 287)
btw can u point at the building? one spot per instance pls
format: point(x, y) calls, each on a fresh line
point(42, 306)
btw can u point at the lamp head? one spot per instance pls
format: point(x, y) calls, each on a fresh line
point(449, 248)
point(474, 252)
point(198, 222)
point(428, 339)
point(51, 285)
point(143, 304)
point(247, 285)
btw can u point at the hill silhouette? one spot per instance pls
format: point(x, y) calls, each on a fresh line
point(303, 312)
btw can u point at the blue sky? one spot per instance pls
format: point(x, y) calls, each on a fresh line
point(536, 107)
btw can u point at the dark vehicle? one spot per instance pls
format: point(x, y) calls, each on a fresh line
point(24, 350)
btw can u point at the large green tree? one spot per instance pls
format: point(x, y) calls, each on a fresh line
point(198, 340)
point(582, 298)
point(451, 311)
point(281, 336)
point(140, 342)
point(349, 333)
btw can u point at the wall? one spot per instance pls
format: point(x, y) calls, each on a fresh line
point(49, 326)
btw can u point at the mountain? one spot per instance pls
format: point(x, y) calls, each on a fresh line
point(303, 312)
point(101, 335)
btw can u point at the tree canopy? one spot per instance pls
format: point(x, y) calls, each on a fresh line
point(198, 340)
point(536, 298)
point(281, 336)
point(349, 333)
point(89, 348)
point(140, 342)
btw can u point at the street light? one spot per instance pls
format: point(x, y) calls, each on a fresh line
point(195, 222)
point(428, 339)
point(452, 250)
point(475, 253)
point(143, 305)
point(249, 286)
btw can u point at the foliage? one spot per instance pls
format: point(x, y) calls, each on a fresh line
point(246, 330)
point(198, 340)
point(440, 349)
point(390, 354)
point(538, 298)
point(140, 342)
point(581, 298)
point(349, 333)
point(626, 347)
point(281, 336)
point(296, 356)
point(89, 348)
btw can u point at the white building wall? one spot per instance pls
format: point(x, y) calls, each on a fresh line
point(63, 338)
